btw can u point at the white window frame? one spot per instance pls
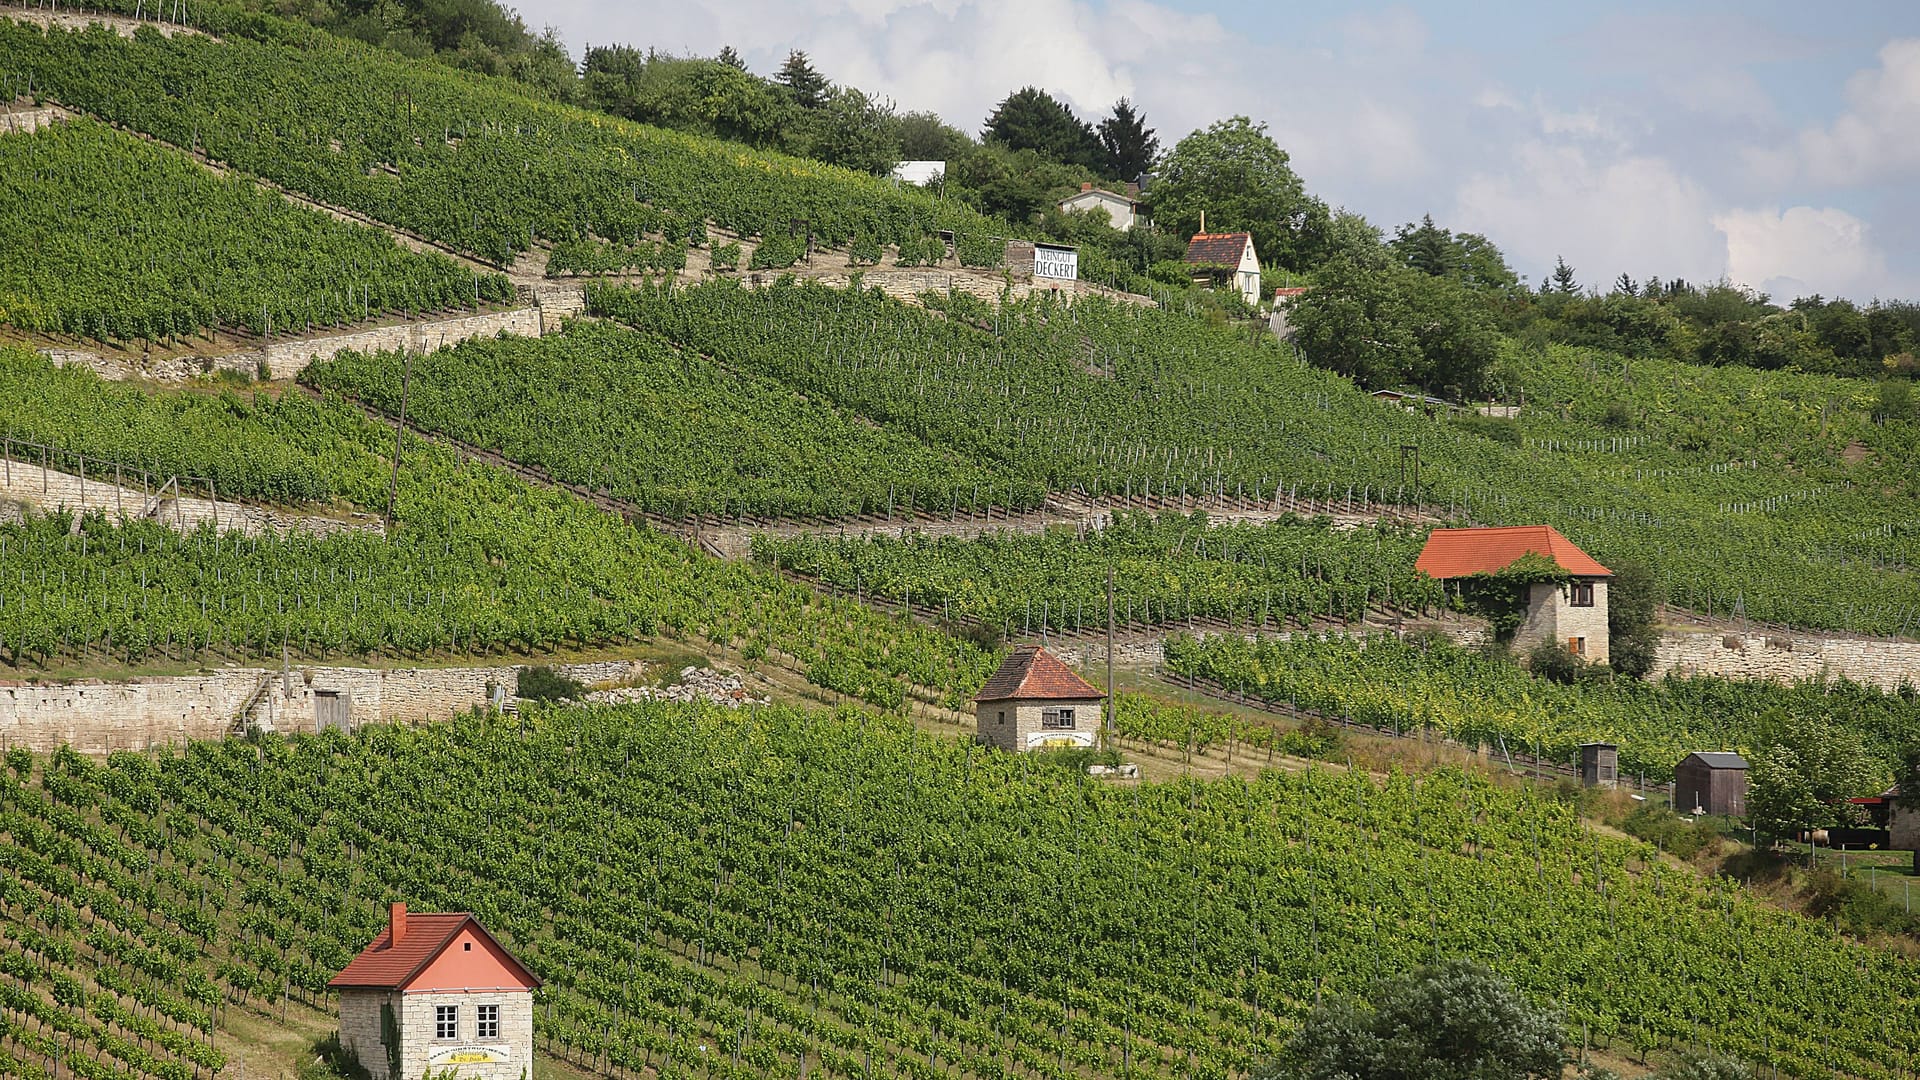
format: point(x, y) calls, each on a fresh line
point(486, 1021)
point(1057, 719)
point(446, 1021)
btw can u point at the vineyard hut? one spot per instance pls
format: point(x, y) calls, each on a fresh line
point(1034, 701)
point(1599, 764)
point(1711, 783)
point(1572, 614)
point(1227, 258)
point(437, 995)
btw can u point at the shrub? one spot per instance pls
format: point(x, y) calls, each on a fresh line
point(726, 257)
point(777, 252)
point(542, 683)
point(1550, 661)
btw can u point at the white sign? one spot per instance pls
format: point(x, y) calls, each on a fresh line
point(1053, 740)
point(1056, 262)
point(468, 1055)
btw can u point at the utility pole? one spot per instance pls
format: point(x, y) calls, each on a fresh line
point(399, 430)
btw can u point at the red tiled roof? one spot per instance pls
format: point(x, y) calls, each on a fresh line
point(1294, 291)
point(1457, 553)
point(384, 967)
point(1031, 672)
point(1217, 249)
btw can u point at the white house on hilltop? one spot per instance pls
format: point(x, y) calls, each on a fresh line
point(1122, 211)
point(1233, 251)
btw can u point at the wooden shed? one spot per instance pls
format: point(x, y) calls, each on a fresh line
point(1599, 764)
point(1711, 782)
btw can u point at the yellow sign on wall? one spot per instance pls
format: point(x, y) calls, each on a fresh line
point(467, 1055)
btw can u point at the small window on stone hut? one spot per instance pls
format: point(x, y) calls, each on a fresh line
point(1059, 719)
point(1583, 594)
point(1577, 646)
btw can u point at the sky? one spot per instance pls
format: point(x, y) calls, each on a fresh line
point(1776, 145)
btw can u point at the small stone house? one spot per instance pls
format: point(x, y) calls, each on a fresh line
point(1712, 783)
point(1571, 614)
point(435, 994)
point(1033, 701)
point(1207, 252)
point(1122, 211)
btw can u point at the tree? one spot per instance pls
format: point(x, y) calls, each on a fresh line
point(1427, 248)
point(1383, 325)
point(1561, 280)
point(1804, 772)
point(1130, 145)
point(1624, 285)
point(1239, 177)
point(1032, 119)
point(1631, 637)
point(1451, 1021)
point(853, 131)
point(924, 136)
point(807, 86)
point(731, 58)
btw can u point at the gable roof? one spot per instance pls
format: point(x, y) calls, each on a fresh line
point(1458, 553)
point(1102, 193)
point(1218, 249)
point(1714, 759)
point(1031, 672)
point(382, 966)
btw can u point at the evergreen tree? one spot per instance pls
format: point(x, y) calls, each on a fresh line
point(1130, 145)
point(731, 58)
point(1032, 119)
point(1562, 279)
point(1427, 248)
point(1625, 286)
point(808, 87)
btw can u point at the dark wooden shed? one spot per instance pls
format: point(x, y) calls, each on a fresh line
point(1599, 764)
point(1712, 782)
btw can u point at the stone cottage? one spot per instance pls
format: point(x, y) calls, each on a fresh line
point(1572, 615)
point(435, 994)
point(1033, 701)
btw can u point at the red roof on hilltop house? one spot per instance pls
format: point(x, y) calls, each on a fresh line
point(1217, 249)
point(1457, 553)
point(1032, 672)
point(423, 937)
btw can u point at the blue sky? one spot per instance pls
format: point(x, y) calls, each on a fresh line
point(1774, 144)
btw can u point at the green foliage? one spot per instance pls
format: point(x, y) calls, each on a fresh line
point(1468, 258)
point(1392, 326)
point(777, 251)
point(1487, 701)
point(1032, 119)
point(1659, 825)
point(1130, 145)
point(807, 87)
point(725, 257)
point(112, 238)
point(1454, 1020)
point(1632, 599)
point(1703, 1067)
point(740, 847)
point(1166, 569)
point(1804, 769)
point(979, 249)
point(457, 159)
point(665, 430)
point(1236, 173)
point(1857, 904)
point(1502, 596)
point(865, 251)
point(922, 251)
point(538, 682)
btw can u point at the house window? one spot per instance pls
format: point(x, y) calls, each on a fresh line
point(487, 1026)
point(1059, 719)
point(1583, 594)
point(1003, 716)
point(446, 1021)
point(1577, 646)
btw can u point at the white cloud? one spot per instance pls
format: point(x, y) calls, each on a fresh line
point(1606, 215)
point(1802, 250)
point(1875, 139)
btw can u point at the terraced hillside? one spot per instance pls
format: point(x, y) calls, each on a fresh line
point(789, 893)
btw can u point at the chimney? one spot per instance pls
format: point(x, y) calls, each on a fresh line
point(1203, 221)
point(396, 923)
point(1086, 185)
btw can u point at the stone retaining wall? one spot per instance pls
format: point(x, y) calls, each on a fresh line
point(1789, 657)
point(29, 483)
point(96, 717)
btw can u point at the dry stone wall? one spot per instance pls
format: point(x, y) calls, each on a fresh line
point(1789, 657)
point(97, 717)
point(29, 483)
point(29, 120)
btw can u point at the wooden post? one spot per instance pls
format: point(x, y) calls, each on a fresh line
point(119, 508)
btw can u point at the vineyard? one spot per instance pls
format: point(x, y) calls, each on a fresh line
point(834, 895)
point(662, 429)
point(1117, 401)
point(481, 563)
point(460, 159)
point(1166, 568)
point(112, 238)
point(1487, 702)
